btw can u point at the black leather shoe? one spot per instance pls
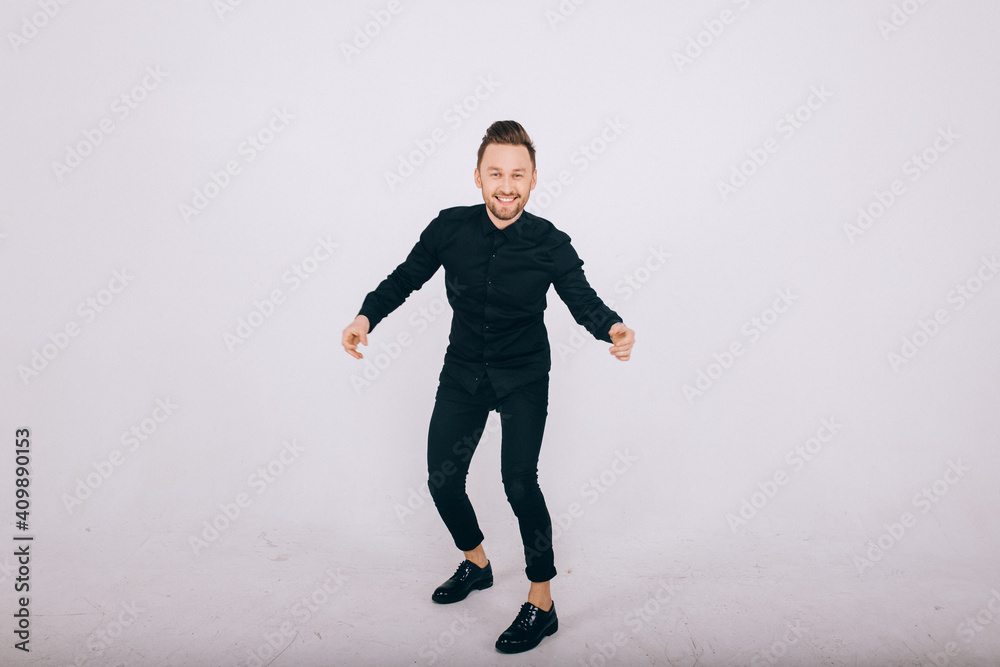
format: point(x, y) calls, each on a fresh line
point(528, 629)
point(467, 578)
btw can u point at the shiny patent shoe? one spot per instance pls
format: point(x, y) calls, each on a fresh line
point(528, 629)
point(467, 578)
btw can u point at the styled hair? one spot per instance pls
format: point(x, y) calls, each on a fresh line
point(507, 132)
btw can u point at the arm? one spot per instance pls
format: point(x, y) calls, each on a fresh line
point(573, 288)
point(416, 269)
point(586, 307)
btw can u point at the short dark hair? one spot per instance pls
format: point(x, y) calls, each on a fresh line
point(507, 132)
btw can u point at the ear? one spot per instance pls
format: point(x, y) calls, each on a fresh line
point(478, 179)
point(534, 179)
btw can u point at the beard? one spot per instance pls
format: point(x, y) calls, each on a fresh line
point(506, 212)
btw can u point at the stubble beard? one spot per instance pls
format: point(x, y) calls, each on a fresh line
point(507, 213)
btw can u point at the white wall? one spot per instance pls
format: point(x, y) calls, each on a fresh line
point(678, 129)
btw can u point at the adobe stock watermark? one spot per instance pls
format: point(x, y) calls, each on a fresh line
point(784, 129)
point(132, 439)
point(752, 330)
point(294, 276)
point(712, 30)
point(454, 116)
point(562, 12)
point(914, 168)
point(248, 150)
point(546, 192)
point(635, 619)
point(299, 614)
point(121, 108)
point(463, 449)
point(899, 17)
point(796, 459)
point(780, 647)
point(33, 23)
point(224, 7)
point(106, 636)
point(592, 490)
point(86, 311)
point(633, 281)
point(437, 647)
point(419, 320)
point(967, 630)
point(927, 329)
point(924, 500)
point(365, 33)
point(259, 481)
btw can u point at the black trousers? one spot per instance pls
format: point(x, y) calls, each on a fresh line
point(456, 427)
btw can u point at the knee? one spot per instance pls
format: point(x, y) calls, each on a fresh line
point(441, 484)
point(521, 489)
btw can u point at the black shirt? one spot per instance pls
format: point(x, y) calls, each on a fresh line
point(496, 281)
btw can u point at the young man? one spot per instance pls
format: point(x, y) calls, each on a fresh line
point(499, 261)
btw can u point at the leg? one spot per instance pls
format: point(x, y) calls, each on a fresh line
point(523, 413)
point(456, 427)
point(540, 595)
point(477, 556)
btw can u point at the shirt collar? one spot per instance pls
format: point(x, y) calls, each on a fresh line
point(512, 231)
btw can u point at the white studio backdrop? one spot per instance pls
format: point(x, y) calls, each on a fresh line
point(794, 205)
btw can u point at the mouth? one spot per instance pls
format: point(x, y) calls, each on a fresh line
point(505, 201)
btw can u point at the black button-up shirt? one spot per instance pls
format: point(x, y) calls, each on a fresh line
point(496, 281)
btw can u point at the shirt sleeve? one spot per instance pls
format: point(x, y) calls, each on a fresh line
point(572, 287)
point(418, 267)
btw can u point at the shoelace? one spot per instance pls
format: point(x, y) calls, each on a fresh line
point(461, 566)
point(523, 616)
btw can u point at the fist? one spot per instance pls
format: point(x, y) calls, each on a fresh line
point(623, 339)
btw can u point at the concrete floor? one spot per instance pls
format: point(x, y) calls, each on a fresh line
point(296, 595)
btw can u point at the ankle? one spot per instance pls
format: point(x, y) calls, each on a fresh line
point(542, 602)
point(477, 556)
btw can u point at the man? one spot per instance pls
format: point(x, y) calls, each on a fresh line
point(499, 261)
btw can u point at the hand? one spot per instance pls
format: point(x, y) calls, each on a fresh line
point(623, 339)
point(356, 332)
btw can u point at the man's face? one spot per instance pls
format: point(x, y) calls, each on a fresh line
point(506, 178)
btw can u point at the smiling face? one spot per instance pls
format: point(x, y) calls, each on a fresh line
point(506, 177)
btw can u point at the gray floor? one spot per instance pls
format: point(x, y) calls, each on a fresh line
point(296, 595)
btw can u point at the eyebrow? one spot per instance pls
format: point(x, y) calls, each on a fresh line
point(499, 169)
